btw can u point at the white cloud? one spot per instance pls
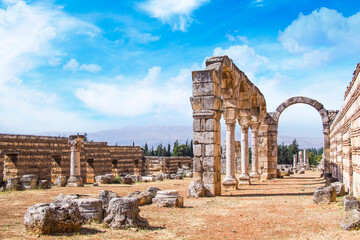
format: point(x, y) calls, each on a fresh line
point(28, 33)
point(322, 29)
point(175, 13)
point(244, 57)
point(142, 38)
point(237, 38)
point(73, 66)
point(142, 97)
point(258, 3)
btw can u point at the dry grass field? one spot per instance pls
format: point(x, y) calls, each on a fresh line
point(274, 209)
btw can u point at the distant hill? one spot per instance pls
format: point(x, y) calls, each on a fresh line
point(155, 135)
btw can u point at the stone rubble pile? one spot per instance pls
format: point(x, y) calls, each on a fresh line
point(67, 213)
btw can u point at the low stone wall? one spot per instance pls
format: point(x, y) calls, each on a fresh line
point(168, 164)
point(49, 158)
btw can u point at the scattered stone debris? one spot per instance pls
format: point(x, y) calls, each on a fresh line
point(127, 180)
point(124, 213)
point(29, 181)
point(90, 209)
point(324, 195)
point(44, 184)
point(350, 203)
point(339, 188)
point(61, 181)
point(105, 196)
point(351, 220)
point(168, 198)
point(14, 184)
point(56, 217)
point(196, 189)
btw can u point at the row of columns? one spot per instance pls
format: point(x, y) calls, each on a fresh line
point(230, 182)
point(303, 160)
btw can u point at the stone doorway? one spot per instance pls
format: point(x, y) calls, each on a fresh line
point(114, 168)
point(90, 175)
point(56, 170)
point(11, 166)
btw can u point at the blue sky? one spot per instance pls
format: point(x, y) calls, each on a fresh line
point(95, 65)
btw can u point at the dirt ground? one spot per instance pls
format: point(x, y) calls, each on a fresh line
point(274, 209)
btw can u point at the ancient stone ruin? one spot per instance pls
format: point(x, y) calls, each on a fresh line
point(222, 90)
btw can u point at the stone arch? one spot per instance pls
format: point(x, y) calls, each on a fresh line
point(305, 100)
point(221, 90)
point(274, 121)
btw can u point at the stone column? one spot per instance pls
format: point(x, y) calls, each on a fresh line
point(294, 160)
point(244, 178)
point(230, 182)
point(75, 179)
point(301, 160)
point(254, 146)
point(305, 160)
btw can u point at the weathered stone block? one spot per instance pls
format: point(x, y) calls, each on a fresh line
point(350, 203)
point(351, 220)
point(168, 198)
point(44, 184)
point(324, 195)
point(61, 181)
point(90, 209)
point(50, 218)
point(29, 181)
point(124, 213)
point(14, 184)
point(339, 188)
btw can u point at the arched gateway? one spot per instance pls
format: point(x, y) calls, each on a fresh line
point(222, 90)
point(326, 116)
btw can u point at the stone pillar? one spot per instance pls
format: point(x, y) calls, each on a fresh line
point(301, 160)
point(294, 161)
point(326, 132)
point(237, 156)
point(244, 178)
point(75, 180)
point(230, 182)
point(254, 145)
point(305, 160)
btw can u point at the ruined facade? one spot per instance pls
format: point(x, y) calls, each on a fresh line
point(49, 158)
point(169, 165)
point(345, 138)
point(222, 90)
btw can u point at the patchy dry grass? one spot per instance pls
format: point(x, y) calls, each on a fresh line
point(275, 209)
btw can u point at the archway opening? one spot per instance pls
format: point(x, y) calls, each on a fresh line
point(90, 175)
point(300, 128)
point(56, 169)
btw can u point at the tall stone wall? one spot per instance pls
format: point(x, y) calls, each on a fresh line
point(345, 138)
point(49, 157)
point(168, 164)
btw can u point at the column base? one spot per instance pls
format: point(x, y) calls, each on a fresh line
point(75, 181)
point(230, 184)
point(265, 176)
point(244, 179)
point(254, 175)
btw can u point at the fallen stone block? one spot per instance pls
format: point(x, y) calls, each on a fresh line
point(351, 220)
point(90, 209)
point(324, 195)
point(29, 181)
point(339, 188)
point(190, 175)
point(61, 181)
point(105, 197)
point(159, 177)
point(47, 218)
point(142, 197)
point(350, 203)
point(136, 178)
point(196, 189)
point(148, 179)
point(124, 213)
point(101, 179)
point(126, 180)
point(110, 178)
point(14, 184)
point(44, 184)
point(179, 176)
point(65, 198)
point(168, 198)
